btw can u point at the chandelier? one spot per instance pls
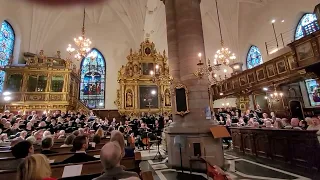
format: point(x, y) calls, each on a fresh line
point(275, 96)
point(203, 69)
point(83, 44)
point(223, 55)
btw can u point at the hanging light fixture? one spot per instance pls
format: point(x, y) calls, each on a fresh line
point(223, 55)
point(83, 44)
point(275, 96)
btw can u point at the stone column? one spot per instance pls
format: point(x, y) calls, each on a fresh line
point(185, 41)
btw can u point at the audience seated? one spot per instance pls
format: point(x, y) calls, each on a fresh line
point(68, 141)
point(117, 136)
point(80, 145)
point(110, 159)
point(21, 150)
point(46, 145)
point(34, 167)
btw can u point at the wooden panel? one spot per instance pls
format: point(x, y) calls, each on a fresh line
point(291, 146)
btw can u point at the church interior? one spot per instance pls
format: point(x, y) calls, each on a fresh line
point(159, 89)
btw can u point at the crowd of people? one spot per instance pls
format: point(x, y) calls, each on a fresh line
point(21, 132)
point(258, 119)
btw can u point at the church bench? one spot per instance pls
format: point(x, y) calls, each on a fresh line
point(88, 168)
point(296, 147)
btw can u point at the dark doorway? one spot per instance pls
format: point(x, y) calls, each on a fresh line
point(296, 109)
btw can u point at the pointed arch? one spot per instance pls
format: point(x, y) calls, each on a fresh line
point(92, 86)
point(7, 40)
point(306, 26)
point(254, 57)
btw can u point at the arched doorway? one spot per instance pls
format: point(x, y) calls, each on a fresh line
point(296, 109)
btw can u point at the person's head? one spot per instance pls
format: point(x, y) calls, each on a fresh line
point(308, 120)
point(62, 132)
point(3, 136)
point(29, 125)
point(278, 124)
point(42, 124)
point(265, 115)
point(315, 121)
point(22, 149)
point(34, 167)
point(250, 122)
point(81, 131)
point(303, 124)
point(110, 155)
point(69, 139)
point(47, 142)
point(221, 118)
point(100, 132)
point(7, 125)
point(80, 143)
point(96, 139)
point(31, 139)
point(256, 125)
point(23, 134)
point(118, 137)
point(294, 122)
point(76, 133)
point(228, 122)
point(272, 114)
point(284, 121)
point(46, 133)
point(268, 124)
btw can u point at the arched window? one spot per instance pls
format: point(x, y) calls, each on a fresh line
point(92, 87)
point(6, 48)
point(306, 25)
point(254, 57)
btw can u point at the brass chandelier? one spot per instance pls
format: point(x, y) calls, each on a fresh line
point(83, 44)
point(223, 55)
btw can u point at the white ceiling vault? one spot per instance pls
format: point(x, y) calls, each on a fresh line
point(118, 25)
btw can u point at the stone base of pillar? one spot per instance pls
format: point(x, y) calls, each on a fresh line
point(210, 147)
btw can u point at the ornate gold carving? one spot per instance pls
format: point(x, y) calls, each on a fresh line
point(136, 73)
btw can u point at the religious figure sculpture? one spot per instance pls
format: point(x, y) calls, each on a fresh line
point(167, 99)
point(129, 99)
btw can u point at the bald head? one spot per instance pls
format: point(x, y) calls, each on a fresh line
point(110, 155)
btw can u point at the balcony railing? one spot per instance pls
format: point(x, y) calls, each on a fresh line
point(287, 37)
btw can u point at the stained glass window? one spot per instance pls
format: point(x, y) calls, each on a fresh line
point(254, 57)
point(305, 26)
point(92, 85)
point(6, 48)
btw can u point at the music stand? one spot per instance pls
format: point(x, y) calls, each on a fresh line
point(158, 155)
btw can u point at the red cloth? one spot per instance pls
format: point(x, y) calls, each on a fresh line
point(49, 178)
point(216, 173)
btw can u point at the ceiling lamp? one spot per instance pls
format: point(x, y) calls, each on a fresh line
point(223, 55)
point(83, 44)
point(275, 95)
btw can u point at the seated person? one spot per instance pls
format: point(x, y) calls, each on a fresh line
point(118, 137)
point(34, 167)
point(46, 145)
point(21, 150)
point(110, 160)
point(96, 140)
point(80, 145)
point(294, 124)
point(68, 141)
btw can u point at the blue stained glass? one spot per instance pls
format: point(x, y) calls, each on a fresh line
point(7, 39)
point(92, 87)
point(304, 21)
point(254, 57)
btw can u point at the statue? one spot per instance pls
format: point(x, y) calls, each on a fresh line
point(129, 99)
point(122, 70)
point(167, 99)
point(135, 69)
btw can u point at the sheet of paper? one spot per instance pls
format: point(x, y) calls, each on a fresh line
point(93, 144)
point(96, 156)
point(74, 170)
point(51, 161)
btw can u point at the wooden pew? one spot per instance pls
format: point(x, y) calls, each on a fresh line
point(296, 147)
point(88, 168)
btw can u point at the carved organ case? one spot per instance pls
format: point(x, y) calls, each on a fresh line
point(43, 84)
point(144, 82)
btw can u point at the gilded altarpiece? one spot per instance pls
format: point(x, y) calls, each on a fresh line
point(144, 82)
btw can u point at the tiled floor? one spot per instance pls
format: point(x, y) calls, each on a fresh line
point(239, 169)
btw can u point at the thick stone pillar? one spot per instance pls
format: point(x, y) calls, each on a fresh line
point(185, 41)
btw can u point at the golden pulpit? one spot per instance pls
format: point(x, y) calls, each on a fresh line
point(43, 84)
point(144, 82)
